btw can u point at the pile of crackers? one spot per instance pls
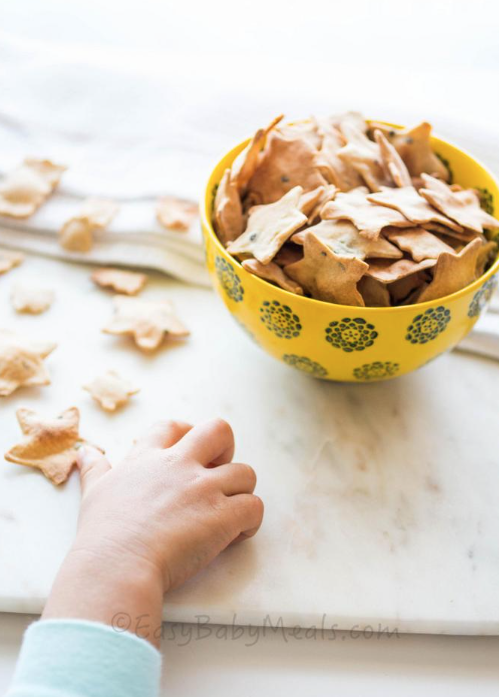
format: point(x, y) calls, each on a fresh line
point(352, 212)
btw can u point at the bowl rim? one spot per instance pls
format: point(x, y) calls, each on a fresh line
point(206, 211)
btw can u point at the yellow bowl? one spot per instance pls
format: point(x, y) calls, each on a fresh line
point(340, 342)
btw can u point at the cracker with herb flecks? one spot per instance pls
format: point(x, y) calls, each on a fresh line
point(412, 206)
point(176, 213)
point(50, 445)
point(326, 275)
point(110, 390)
point(343, 238)
point(24, 189)
point(368, 218)
point(285, 164)
point(147, 321)
point(418, 242)
point(77, 233)
point(9, 260)
point(414, 147)
point(391, 162)
point(453, 272)
point(461, 206)
point(119, 280)
point(273, 273)
point(30, 299)
point(269, 227)
point(21, 362)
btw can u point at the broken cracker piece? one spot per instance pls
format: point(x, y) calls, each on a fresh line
point(374, 292)
point(8, 260)
point(410, 204)
point(270, 226)
point(21, 362)
point(50, 445)
point(368, 218)
point(31, 300)
point(388, 271)
point(111, 390)
point(420, 243)
point(148, 321)
point(24, 189)
point(125, 282)
point(227, 210)
point(326, 275)
point(462, 206)
point(77, 233)
point(176, 213)
point(273, 273)
point(345, 240)
point(453, 272)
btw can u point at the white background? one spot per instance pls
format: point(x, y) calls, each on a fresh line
point(208, 73)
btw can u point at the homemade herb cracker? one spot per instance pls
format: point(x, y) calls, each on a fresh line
point(352, 212)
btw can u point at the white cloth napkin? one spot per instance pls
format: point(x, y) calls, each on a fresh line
point(134, 132)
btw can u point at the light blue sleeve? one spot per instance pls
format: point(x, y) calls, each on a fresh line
point(75, 658)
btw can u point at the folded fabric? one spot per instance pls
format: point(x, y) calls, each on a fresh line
point(134, 238)
point(76, 658)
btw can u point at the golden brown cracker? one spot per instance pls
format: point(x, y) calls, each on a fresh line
point(50, 445)
point(21, 362)
point(326, 275)
point(418, 242)
point(269, 227)
point(110, 390)
point(147, 321)
point(273, 273)
point(412, 206)
point(119, 280)
point(453, 272)
point(176, 213)
point(77, 233)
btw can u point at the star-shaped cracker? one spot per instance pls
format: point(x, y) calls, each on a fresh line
point(285, 164)
point(387, 271)
point(227, 211)
point(176, 213)
point(391, 162)
point(414, 147)
point(269, 226)
point(8, 260)
point(461, 206)
point(414, 207)
point(125, 282)
point(343, 238)
point(30, 299)
point(21, 362)
point(273, 273)
point(420, 243)
point(326, 275)
point(148, 321)
point(77, 233)
point(25, 188)
point(50, 445)
point(111, 390)
point(453, 272)
point(246, 163)
point(367, 217)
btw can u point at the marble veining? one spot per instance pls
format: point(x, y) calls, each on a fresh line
point(381, 499)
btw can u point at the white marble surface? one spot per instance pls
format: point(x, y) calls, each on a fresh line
point(381, 499)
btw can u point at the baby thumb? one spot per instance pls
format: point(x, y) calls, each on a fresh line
point(92, 465)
